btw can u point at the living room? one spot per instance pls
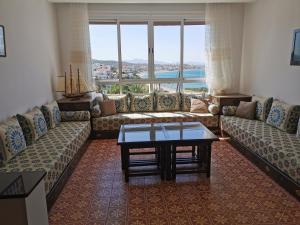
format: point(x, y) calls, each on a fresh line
point(149, 112)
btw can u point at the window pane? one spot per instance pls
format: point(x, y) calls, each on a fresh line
point(167, 87)
point(134, 42)
point(194, 51)
point(104, 48)
point(108, 88)
point(166, 51)
point(136, 88)
point(194, 87)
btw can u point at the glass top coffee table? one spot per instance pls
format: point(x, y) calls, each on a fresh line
point(165, 137)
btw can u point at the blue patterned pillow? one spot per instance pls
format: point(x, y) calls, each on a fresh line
point(52, 114)
point(166, 102)
point(12, 140)
point(263, 107)
point(284, 116)
point(141, 103)
point(33, 125)
point(121, 102)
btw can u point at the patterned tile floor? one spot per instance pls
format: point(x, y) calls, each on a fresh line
point(237, 193)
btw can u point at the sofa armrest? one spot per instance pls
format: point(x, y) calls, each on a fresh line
point(75, 116)
point(214, 109)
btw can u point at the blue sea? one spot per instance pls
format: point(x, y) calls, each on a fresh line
point(186, 74)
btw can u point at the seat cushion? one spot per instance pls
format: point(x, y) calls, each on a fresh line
point(278, 147)
point(52, 152)
point(112, 123)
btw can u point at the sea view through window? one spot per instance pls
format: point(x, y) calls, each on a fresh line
point(142, 57)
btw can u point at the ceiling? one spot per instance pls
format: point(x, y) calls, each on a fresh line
point(150, 1)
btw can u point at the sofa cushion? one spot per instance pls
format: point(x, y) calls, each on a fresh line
point(67, 116)
point(278, 147)
point(121, 102)
point(141, 103)
point(12, 140)
point(284, 116)
point(108, 107)
point(52, 152)
point(263, 107)
point(113, 123)
point(33, 125)
point(197, 105)
point(52, 114)
point(96, 111)
point(246, 110)
point(186, 100)
point(167, 102)
point(229, 110)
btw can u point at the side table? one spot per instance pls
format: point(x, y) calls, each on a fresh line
point(229, 99)
point(74, 104)
point(23, 198)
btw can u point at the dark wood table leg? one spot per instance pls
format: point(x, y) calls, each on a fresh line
point(125, 151)
point(173, 153)
point(208, 148)
point(193, 151)
point(122, 158)
point(168, 162)
point(162, 162)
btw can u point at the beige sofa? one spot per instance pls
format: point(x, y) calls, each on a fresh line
point(112, 123)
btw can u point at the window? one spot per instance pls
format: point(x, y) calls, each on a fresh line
point(167, 50)
point(141, 57)
point(104, 49)
point(134, 42)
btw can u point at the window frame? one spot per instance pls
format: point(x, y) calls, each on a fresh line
point(152, 80)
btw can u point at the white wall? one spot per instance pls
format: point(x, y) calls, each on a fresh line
point(268, 31)
point(26, 74)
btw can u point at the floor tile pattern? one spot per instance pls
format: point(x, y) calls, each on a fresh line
point(237, 193)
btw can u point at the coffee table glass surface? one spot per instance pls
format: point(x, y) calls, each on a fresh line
point(164, 132)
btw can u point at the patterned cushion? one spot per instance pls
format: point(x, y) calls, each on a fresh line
point(229, 110)
point(214, 109)
point(278, 147)
point(263, 106)
point(52, 114)
point(167, 102)
point(12, 140)
point(113, 123)
point(186, 100)
point(75, 116)
point(121, 102)
point(33, 125)
point(52, 152)
point(284, 116)
point(96, 111)
point(141, 103)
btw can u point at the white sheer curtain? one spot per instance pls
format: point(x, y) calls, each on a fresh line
point(74, 39)
point(219, 69)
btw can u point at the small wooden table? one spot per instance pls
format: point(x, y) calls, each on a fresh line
point(229, 99)
point(76, 104)
point(164, 137)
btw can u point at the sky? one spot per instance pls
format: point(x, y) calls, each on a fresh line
point(135, 44)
